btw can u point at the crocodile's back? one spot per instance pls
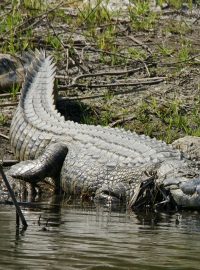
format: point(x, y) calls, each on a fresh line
point(37, 124)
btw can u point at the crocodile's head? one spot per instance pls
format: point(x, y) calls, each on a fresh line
point(174, 185)
point(169, 185)
point(181, 180)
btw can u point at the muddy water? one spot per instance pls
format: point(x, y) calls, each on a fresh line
point(84, 237)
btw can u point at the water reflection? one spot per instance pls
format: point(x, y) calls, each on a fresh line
point(76, 236)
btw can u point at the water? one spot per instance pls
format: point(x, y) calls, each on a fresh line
point(84, 237)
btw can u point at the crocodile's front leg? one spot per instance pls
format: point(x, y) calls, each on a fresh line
point(49, 164)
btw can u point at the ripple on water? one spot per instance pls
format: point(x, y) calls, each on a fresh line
point(73, 237)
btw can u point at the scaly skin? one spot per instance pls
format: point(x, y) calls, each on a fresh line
point(110, 164)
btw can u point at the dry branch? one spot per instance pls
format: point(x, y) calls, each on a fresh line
point(9, 162)
point(4, 136)
point(8, 104)
point(121, 121)
point(147, 81)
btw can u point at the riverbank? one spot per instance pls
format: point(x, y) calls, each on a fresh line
point(136, 68)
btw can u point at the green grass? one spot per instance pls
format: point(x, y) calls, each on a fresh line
point(53, 41)
point(100, 29)
point(3, 119)
point(103, 116)
point(14, 26)
point(177, 27)
point(184, 52)
point(14, 90)
point(137, 53)
point(142, 18)
point(34, 5)
point(177, 4)
point(167, 121)
point(165, 50)
point(93, 16)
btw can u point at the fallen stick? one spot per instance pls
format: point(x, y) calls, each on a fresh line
point(121, 121)
point(18, 209)
point(147, 81)
point(9, 162)
point(9, 104)
point(4, 136)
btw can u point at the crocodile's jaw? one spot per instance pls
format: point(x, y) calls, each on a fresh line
point(185, 192)
point(182, 180)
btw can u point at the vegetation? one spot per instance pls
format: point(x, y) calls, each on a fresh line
point(3, 119)
point(169, 120)
point(94, 38)
point(141, 16)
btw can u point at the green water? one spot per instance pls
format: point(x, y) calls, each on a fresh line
point(84, 237)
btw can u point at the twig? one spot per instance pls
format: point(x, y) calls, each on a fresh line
point(110, 73)
point(107, 52)
point(140, 43)
point(197, 19)
point(7, 95)
point(147, 70)
point(9, 162)
point(8, 104)
point(179, 62)
point(115, 93)
point(67, 60)
point(18, 209)
point(147, 81)
point(4, 136)
point(121, 121)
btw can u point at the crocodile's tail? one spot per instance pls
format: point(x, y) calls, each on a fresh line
point(36, 111)
point(38, 94)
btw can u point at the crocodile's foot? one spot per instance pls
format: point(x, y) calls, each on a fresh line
point(48, 164)
point(46, 168)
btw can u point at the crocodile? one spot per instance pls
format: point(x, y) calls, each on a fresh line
point(109, 165)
